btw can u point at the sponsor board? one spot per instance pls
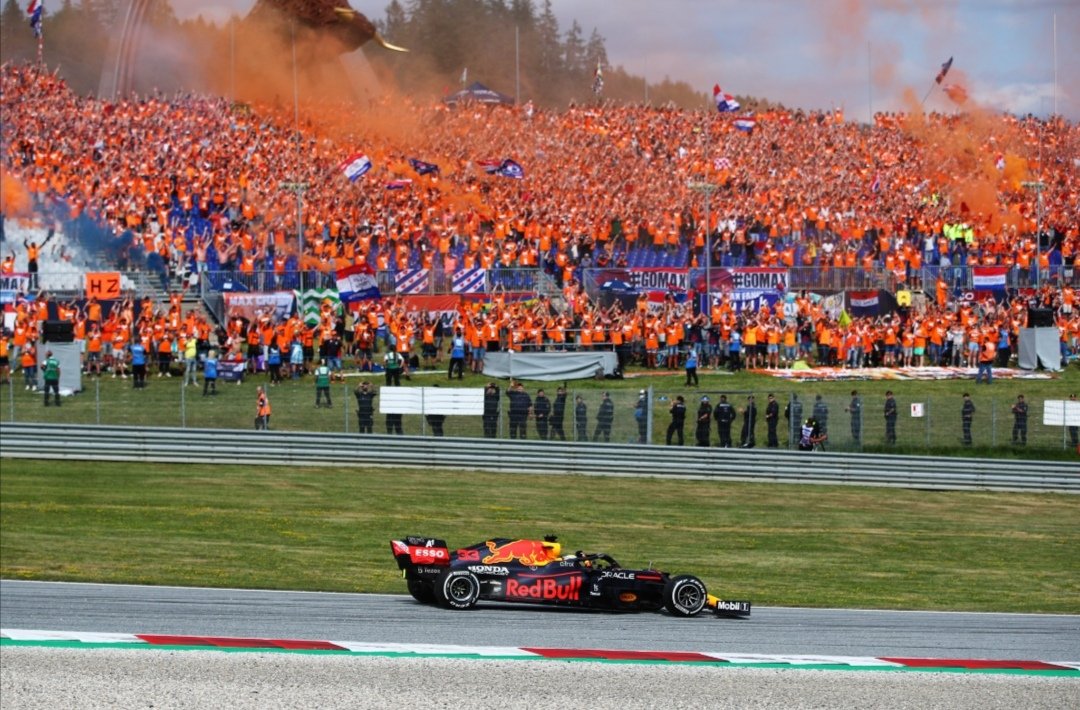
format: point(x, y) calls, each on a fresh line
point(493, 570)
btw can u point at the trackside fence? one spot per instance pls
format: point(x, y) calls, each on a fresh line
point(210, 446)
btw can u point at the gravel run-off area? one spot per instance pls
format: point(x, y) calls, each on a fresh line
point(34, 677)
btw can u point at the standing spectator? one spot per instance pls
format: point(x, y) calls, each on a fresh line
point(436, 422)
point(772, 419)
point(1074, 431)
point(1020, 415)
point(967, 414)
point(210, 373)
point(793, 415)
point(558, 413)
point(33, 252)
point(520, 404)
point(605, 415)
point(457, 356)
point(986, 361)
point(820, 414)
point(581, 418)
point(191, 352)
point(138, 364)
point(810, 435)
point(365, 407)
point(5, 358)
point(541, 413)
point(28, 364)
point(749, 424)
point(273, 362)
point(322, 384)
point(262, 409)
point(641, 416)
point(703, 427)
point(890, 418)
point(393, 424)
point(333, 352)
point(678, 420)
point(296, 359)
point(393, 364)
point(854, 408)
point(725, 417)
point(735, 351)
point(491, 410)
point(51, 374)
point(691, 366)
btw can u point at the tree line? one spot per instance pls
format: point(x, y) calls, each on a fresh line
point(512, 46)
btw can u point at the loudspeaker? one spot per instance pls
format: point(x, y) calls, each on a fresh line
point(1040, 318)
point(58, 331)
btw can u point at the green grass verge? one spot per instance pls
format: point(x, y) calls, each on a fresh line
point(166, 403)
point(329, 529)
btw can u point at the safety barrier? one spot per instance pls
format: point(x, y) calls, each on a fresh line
point(222, 446)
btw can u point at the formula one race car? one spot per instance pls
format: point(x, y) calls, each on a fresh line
point(535, 572)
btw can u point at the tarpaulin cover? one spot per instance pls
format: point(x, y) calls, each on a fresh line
point(1039, 346)
point(549, 367)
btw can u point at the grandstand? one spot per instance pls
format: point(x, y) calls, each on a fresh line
point(160, 188)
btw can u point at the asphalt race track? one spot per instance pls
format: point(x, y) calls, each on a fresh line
point(398, 619)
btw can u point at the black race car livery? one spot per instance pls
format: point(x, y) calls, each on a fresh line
point(535, 572)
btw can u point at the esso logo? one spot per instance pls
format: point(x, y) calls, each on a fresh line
point(429, 553)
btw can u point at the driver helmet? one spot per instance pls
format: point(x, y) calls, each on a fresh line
point(554, 549)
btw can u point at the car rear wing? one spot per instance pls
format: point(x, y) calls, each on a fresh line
point(729, 608)
point(415, 550)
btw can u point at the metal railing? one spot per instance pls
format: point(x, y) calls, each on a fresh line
point(217, 446)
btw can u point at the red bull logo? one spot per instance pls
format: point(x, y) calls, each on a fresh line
point(531, 553)
point(546, 588)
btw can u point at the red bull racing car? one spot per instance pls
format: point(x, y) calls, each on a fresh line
point(536, 572)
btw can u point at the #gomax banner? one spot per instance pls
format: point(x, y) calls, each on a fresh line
point(745, 287)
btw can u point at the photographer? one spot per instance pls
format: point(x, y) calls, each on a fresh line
point(811, 436)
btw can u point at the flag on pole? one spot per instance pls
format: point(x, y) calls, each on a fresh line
point(598, 80)
point(355, 166)
point(423, 168)
point(944, 70)
point(356, 283)
point(35, 10)
point(724, 102)
point(511, 169)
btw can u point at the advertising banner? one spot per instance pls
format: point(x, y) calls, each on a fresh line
point(252, 305)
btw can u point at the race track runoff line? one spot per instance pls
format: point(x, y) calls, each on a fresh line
point(89, 640)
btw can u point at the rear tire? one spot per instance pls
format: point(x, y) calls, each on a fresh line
point(421, 590)
point(685, 595)
point(457, 589)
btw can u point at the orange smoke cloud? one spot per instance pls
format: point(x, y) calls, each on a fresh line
point(15, 198)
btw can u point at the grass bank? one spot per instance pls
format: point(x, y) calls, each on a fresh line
point(328, 529)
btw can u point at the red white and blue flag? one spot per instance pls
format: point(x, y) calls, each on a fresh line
point(945, 67)
point(35, 10)
point(745, 124)
point(989, 278)
point(511, 169)
point(724, 102)
point(356, 283)
point(355, 166)
point(423, 168)
point(412, 281)
point(398, 184)
point(469, 281)
point(875, 186)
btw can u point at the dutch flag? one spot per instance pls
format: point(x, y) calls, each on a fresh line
point(355, 166)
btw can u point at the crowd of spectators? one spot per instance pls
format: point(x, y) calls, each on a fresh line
point(200, 182)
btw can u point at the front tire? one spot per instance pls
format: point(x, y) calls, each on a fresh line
point(421, 590)
point(457, 589)
point(685, 595)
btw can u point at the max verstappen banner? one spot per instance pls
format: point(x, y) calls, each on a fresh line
point(251, 305)
point(647, 280)
point(11, 285)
